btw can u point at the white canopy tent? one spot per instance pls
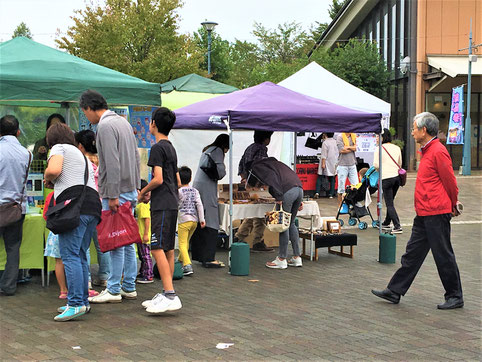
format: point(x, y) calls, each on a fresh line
point(315, 81)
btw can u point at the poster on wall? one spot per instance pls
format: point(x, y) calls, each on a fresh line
point(140, 118)
point(455, 134)
point(85, 124)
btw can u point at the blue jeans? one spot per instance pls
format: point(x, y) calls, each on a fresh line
point(291, 202)
point(73, 247)
point(344, 172)
point(122, 260)
point(102, 258)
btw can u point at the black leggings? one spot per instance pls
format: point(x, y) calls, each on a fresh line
point(390, 187)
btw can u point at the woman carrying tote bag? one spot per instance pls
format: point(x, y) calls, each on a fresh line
point(285, 186)
point(66, 174)
point(204, 240)
point(391, 162)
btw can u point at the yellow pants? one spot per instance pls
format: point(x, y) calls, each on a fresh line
point(184, 233)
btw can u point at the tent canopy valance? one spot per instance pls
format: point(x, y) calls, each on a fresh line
point(268, 106)
point(35, 74)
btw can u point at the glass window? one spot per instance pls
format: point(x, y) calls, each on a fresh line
point(385, 37)
point(402, 28)
point(394, 33)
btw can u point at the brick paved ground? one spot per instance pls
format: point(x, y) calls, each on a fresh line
point(323, 311)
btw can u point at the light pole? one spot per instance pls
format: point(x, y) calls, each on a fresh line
point(209, 27)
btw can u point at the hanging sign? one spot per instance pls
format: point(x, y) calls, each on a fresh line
point(455, 134)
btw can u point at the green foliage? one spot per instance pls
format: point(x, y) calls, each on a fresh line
point(134, 37)
point(335, 8)
point(22, 30)
point(359, 63)
point(395, 141)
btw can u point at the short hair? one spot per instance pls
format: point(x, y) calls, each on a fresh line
point(93, 100)
point(60, 133)
point(164, 120)
point(52, 116)
point(261, 136)
point(143, 184)
point(429, 121)
point(329, 134)
point(386, 136)
point(87, 139)
point(8, 125)
point(185, 174)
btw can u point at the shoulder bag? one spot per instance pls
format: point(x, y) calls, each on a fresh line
point(12, 211)
point(209, 166)
point(402, 173)
point(65, 216)
point(278, 221)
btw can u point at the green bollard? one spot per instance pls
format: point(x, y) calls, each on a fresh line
point(239, 259)
point(387, 248)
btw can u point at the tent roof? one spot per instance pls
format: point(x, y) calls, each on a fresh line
point(33, 72)
point(195, 83)
point(174, 100)
point(315, 81)
point(268, 106)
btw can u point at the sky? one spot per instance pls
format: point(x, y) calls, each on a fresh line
point(45, 18)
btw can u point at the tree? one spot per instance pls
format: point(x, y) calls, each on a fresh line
point(335, 8)
point(22, 30)
point(138, 38)
point(359, 63)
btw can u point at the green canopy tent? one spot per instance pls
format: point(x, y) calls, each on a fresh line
point(36, 75)
point(190, 89)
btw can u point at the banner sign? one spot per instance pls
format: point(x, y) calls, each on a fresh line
point(140, 118)
point(308, 174)
point(366, 142)
point(455, 134)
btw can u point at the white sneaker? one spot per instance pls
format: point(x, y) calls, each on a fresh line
point(295, 262)
point(106, 297)
point(148, 303)
point(128, 295)
point(164, 304)
point(278, 264)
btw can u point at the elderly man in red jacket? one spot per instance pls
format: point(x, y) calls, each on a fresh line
point(435, 204)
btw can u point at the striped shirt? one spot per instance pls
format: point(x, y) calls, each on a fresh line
point(73, 168)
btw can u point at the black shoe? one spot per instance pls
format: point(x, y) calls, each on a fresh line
point(387, 294)
point(451, 303)
point(261, 246)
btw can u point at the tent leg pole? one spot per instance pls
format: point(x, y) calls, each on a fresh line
point(380, 191)
point(230, 132)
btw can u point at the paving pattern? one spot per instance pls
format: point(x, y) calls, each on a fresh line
point(322, 311)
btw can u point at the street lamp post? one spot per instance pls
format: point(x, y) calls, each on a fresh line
point(209, 26)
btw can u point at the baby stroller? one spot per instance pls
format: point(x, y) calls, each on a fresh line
point(353, 203)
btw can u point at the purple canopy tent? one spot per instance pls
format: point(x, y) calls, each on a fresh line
point(272, 107)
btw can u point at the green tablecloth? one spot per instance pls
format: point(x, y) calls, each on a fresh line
point(32, 247)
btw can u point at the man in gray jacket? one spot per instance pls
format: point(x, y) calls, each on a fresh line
point(119, 179)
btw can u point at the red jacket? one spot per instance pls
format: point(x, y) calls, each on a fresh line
point(436, 188)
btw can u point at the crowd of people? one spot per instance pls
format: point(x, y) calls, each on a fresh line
point(102, 170)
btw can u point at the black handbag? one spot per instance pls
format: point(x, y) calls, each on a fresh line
point(12, 212)
point(209, 167)
point(65, 216)
point(313, 142)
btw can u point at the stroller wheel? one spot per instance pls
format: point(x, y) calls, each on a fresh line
point(351, 221)
point(375, 224)
point(362, 225)
point(341, 222)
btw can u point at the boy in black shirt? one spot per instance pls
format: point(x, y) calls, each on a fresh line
point(164, 204)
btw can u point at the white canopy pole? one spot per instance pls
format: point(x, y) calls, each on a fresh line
point(230, 133)
point(380, 191)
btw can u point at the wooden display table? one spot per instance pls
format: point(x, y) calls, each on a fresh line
point(328, 241)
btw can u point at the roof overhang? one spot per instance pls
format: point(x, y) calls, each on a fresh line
point(454, 65)
point(345, 23)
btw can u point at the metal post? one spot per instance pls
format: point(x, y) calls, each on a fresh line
point(380, 191)
point(466, 160)
point(209, 52)
point(230, 132)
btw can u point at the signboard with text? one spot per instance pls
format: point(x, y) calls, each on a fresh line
point(455, 134)
point(307, 173)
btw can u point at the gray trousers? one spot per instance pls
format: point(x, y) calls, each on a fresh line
point(292, 200)
point(12, 237)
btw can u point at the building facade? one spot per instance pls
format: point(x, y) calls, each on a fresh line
point(422, 43)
